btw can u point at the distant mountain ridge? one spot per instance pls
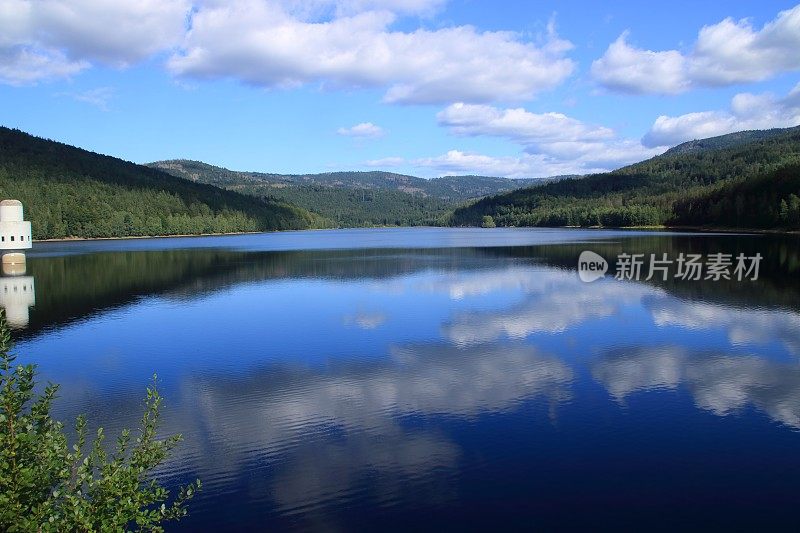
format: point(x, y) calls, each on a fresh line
point(449, 188)
point(354, 199)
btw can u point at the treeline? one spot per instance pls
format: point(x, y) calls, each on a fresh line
point(69, 192)
point(715, 187)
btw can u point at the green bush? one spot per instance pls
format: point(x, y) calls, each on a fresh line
point(46, 485)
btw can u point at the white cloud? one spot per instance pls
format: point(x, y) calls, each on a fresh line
point(725, 53)
point(364, 130)
point(628, 69)
point(733, 52)
point(315, 10)
point(554, 143)
point(46, 39)
point(98, 97)
point(24, 66)
point(518, 124)
point(458, 162)
point(747, 112)
point(262, 44)
point(282, 43)
point(596, 158)
point(384, 162)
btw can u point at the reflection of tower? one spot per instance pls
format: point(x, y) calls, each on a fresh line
point(17, 294)
point(16, 291)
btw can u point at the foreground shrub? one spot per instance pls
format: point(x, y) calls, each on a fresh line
point(46, 485)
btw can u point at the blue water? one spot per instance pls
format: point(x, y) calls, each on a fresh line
point(436, 378)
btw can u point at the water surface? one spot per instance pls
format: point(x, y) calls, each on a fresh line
point(435, 378)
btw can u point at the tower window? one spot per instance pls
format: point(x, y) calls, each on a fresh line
point(12, 237)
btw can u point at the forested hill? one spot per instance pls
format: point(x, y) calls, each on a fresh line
point(353, 199)
point(70, 192)
point(448, 188)
point(750, 183)
point(731, 140)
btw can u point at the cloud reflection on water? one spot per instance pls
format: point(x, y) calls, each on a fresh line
point(743, 326)
point(552, 302)
point(720, 383)
point(303, 435)
point(338, 430)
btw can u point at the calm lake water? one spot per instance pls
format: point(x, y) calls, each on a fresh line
point(435, 378)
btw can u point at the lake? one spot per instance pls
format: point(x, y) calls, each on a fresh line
point(436, 378)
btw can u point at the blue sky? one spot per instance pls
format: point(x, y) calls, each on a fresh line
point(425, 87)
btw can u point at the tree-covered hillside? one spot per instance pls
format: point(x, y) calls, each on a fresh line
point(448, 188)
point(683, 188)
point(70, 192)
point(360, 207)
point(731, 140)
point(351, 199)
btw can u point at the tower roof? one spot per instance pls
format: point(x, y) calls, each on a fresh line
point(10, 202)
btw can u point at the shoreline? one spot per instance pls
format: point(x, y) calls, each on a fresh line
point(696, 229)
point(176, 236)
point(712, 229)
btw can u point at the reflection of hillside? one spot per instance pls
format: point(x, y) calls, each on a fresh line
point(72, 287)
point(778, 284)
point(75, 286)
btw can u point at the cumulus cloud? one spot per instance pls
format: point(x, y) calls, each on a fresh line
point(262, 44)
point(316, 10)
point(554, 143)
point(282, 43)
point(364, 130)
point(628, 69)
point(459, 162)
point(518, 124)
point(725, 53)
point(46, 39)
point(747, 112)
point(23, 65)
point(392, 161)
